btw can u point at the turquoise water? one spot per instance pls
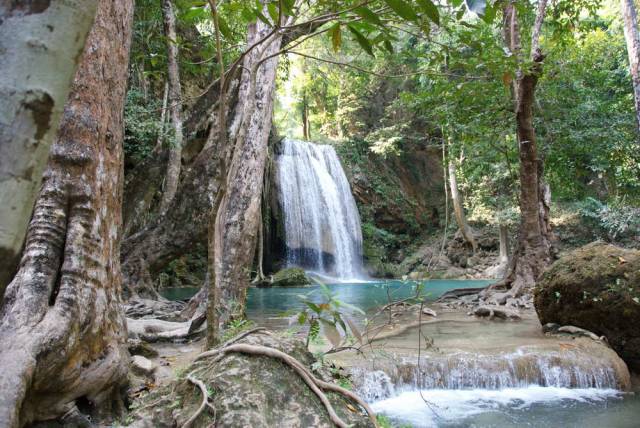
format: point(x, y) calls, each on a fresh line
point(272, 302)
point(275, 301)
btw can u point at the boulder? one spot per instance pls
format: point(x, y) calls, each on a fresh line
point(290, 277)
point(142, 366)
point(597, 288)
point(246, 391)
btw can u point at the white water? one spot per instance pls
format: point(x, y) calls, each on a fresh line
point(322, 224)
point(485, 407)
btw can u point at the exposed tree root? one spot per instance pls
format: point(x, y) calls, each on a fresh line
point(155, 330)
point(316, 385)
point(203, 404)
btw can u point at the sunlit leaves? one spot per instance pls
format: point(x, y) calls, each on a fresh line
point(362, 40)
point(430, 9)
point(368, 15)
point(336, 37)
point(403, 9)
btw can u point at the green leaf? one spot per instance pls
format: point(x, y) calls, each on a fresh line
point(224, 28)
point(368, 15)
point(402, 9)
point(315, 308)
point(476, 6)
point(362, 40)
point(354, 329)
point(388, 46)
point(302, 317)
point(287, 6)
point(331, 333)
point(349, 306)
point(273, 11)
point(336, 37)
point(430, 9)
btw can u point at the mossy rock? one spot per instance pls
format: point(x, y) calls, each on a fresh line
point(290, 277)
point(596, 287)
point(246, 391)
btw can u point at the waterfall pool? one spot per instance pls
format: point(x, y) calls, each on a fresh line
point(273, 302)
point(532, 406)
point(481, 361)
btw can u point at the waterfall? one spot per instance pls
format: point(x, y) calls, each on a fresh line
point(321, 220)
point(520, 369)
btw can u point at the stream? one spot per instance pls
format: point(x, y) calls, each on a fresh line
point(479, 373)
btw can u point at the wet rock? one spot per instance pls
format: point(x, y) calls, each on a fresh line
point(596, 288)
point(496, 312)
point(290, 277)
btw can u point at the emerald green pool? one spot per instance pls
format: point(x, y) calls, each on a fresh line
point(274, 302)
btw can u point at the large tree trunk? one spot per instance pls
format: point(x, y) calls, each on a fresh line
point(62, 331)
point(238, 217)
point(630, 18)
point(533, 250)
point(175, 107)
point(458, 208)
point(40, 45)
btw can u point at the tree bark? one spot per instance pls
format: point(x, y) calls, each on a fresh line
point(306, 130)
point(504, 244)
point(458, 208)
point(61, 327)
point(630, 19)
point(175, 107)
point(40, 45)
point(236, 225)
point(533, 250)
point(148, 249)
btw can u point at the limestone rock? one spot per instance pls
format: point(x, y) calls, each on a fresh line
point(247, 391)
point(142, 366)
point(597, 288)
point(290, 277)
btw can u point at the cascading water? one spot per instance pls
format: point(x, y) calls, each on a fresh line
point(504, 389)
point(321, 220)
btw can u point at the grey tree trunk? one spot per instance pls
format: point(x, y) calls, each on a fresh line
point(175, 107)
point(62, 331)
point(40, 46)
point(504, 244)
point(630, 19)
point(458, 208)
point(237, 220)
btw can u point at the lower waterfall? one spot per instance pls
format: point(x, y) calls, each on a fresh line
point(321, 220)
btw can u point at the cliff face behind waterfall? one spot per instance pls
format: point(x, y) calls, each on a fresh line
point(399, 198)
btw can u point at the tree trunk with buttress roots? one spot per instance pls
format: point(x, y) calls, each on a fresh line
point(533, 249)
point(458, 208)
point(630, 18)
point(175, 107)
point(238, 217)
point(147, 250)
point(40, 45)
point(62, 331)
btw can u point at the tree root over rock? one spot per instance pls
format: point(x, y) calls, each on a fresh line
point(316, 385)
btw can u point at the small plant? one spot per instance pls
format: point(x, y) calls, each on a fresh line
point(327, 316)
point(235, 327)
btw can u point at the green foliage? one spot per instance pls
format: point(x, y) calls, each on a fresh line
point(611, 221)
point(329, 316)
point(235, 327)
point(142, 125)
